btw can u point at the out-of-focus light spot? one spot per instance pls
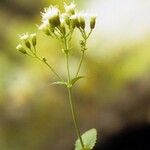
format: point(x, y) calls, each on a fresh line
point(122, 19)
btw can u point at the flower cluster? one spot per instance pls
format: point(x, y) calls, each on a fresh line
point(58, 25)
point(28, 43)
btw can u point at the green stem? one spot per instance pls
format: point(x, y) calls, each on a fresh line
point(74, 117)
point(45, 62)
point(80, 63)
point(70, 96)
point(68, 70)
point(50, 67)
point(89, 33)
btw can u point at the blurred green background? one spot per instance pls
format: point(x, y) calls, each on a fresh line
point(114, 94)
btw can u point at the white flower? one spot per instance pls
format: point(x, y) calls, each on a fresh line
point(70, 8)
point(64, 17)
point(24, 36)
point(19, 46)
point(44, 25)
point(50, 12)
point(21, 49)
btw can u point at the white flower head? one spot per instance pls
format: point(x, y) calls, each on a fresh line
point(64, 17)
point(19, 46)
point(24, 36)
point(21, 49)
point(33, 35)
point(50, 13)
point(70, 8)
point(44, 25)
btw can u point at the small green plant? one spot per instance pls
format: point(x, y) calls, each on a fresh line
point(61, 26)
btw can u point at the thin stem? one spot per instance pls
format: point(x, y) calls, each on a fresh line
point(68, 69)
point(70, 95)
point(50, 67)
point(83, 33)
point(74, 117)
point(80, 63)
point(89, 33)
point(45, 62)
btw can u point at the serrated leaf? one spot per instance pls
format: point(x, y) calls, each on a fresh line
point(74, 80)
point(89, 140)
point(59, 83)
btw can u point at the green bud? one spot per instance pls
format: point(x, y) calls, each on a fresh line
point(25, 38)
point(82, 22)
point(21, 49)
point(74, 21)
point(92, 22)
point(55, 20)
point(27, 43)
point(34, 40)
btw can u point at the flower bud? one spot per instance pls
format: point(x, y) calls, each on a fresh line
point(66, 18)
point(70, 9)
point(55, 21)
point(92, 22)
point(51, 15)
point(62, 27)
point(25, 38)
point(21, 49)
point(74, 21)
point(45, 28)
point(33, 38)
point(27, 43)
point(82, 21)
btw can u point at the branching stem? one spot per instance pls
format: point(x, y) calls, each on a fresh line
point(74, 117)
point(80, 63)
point(49, 66)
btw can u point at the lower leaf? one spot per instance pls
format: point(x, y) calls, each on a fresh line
point(89, 140)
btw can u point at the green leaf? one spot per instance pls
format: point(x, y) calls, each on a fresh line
point(74, 80)
point(89, 140)
point(59, 83)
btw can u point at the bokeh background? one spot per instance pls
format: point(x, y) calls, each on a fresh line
point(114, 97)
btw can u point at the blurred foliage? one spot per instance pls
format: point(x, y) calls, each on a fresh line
point(35, 115)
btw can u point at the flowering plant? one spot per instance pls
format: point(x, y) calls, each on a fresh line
point(61, 26)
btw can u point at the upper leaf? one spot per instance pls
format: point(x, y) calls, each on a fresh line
point(60, 83)
point(74, 80)
point(89, 140)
